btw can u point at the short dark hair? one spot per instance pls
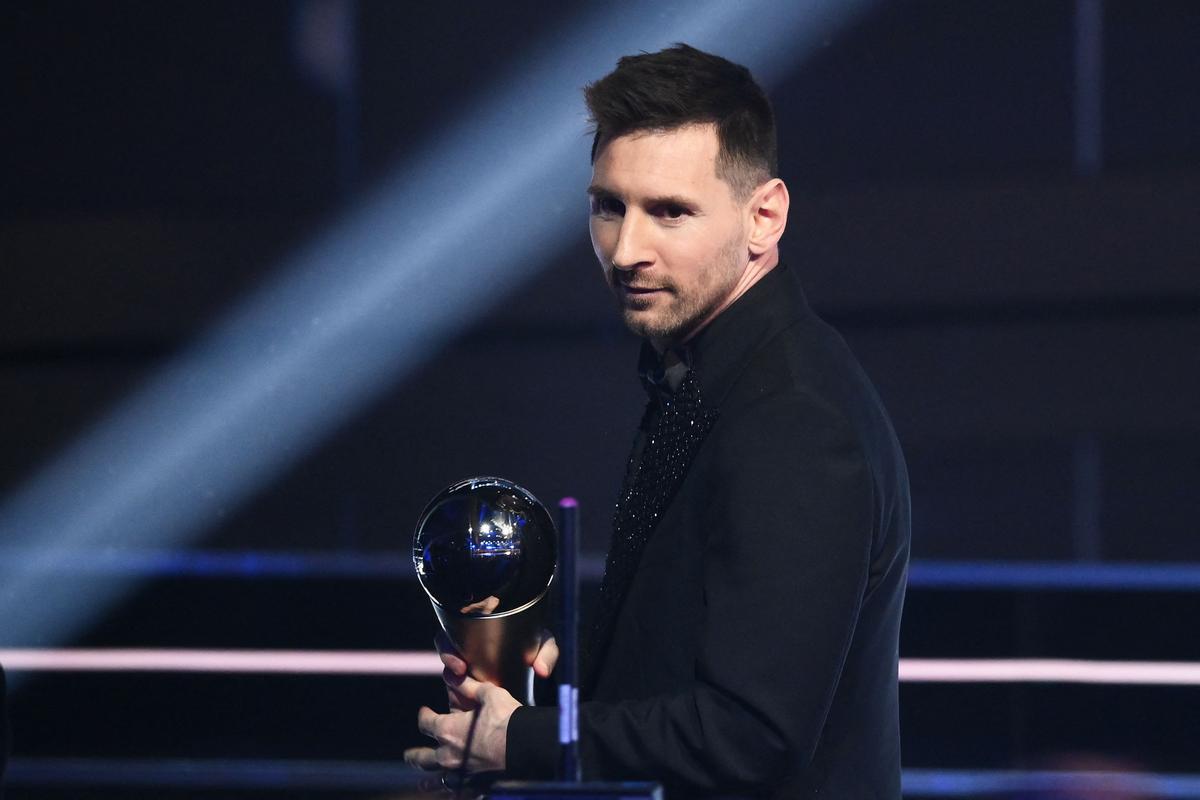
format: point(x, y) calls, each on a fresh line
point(682, 86)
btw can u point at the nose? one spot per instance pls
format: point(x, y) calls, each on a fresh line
point(633, 243)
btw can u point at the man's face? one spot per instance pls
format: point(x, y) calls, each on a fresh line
point(669, 235)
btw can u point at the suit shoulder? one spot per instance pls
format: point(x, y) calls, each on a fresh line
point(805, 383)
point(808, 361)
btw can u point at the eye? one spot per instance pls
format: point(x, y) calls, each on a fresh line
point(606, 206)
point(671, 211)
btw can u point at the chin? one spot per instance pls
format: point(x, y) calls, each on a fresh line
point(643, 325)
point(639, 323)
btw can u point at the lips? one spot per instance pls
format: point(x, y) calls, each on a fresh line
point(639, 288)
point(641, 298)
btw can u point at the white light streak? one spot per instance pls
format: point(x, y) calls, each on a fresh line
point(304, 662)
point(359, 662)
point(1033, 670)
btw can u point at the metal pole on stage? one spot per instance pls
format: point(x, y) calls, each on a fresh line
point(568, 641)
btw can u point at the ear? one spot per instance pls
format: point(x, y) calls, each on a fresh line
point(768, 208)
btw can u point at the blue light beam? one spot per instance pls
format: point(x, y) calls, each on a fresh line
point(459, 227)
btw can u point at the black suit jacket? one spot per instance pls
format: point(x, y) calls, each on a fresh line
point(755, 651)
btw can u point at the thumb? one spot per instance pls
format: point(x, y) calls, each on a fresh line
point(546, 658)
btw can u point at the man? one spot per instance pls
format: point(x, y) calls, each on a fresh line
point(747, 634)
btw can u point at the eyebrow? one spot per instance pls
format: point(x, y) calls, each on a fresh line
point(595, 190)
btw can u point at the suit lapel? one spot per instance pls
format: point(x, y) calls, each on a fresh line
point(651, 482)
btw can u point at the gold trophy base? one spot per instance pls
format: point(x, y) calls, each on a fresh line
point(498, 648)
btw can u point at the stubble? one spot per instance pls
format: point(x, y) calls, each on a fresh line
point(687, 305)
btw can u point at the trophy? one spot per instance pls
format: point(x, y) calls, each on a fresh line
point(485, 553)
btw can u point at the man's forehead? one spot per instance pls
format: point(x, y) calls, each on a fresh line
point(685, 157)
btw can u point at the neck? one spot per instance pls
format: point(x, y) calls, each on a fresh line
point(756, 269)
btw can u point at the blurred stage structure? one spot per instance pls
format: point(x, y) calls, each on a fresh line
point(268, 265)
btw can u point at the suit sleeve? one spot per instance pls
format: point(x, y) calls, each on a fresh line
point(785, 571)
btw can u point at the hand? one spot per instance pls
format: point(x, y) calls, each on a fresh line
point(485, 606)
point(546, 656)
point(492, 706)
point(456, 666)
point(454, 670)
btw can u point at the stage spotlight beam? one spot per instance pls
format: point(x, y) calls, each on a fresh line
point(462, 223)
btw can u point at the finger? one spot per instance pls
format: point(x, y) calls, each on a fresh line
point(421, 758)
point(477, 692)
point(546, 658)
point(450, 656)
point(427, 721)
point(453, 683)
point(543, 639)
point(460, 703)
point(452, 679)
point(470, 689)
point(448, 758)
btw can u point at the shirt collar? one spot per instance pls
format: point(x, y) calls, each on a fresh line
point(662, 375)
point(720, 351)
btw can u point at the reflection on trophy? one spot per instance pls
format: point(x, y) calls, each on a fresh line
point(485, 552)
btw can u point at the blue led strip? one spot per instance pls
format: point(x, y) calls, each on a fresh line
point(1053, 575)
point(211, 773)
point(386, 776)
point(151, 562)
point(967, 783)
point(167, 562)
point(250, 564)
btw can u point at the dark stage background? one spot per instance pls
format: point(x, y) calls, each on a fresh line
point(997, 203)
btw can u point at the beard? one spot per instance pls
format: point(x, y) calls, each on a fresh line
point(673, 317)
